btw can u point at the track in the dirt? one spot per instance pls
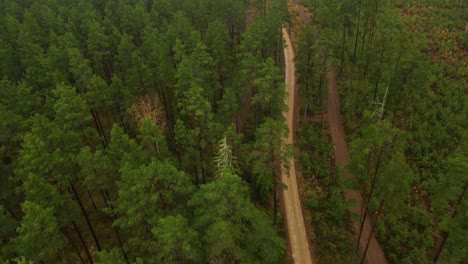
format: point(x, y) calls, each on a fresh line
point(296, 230)
point(375, 254)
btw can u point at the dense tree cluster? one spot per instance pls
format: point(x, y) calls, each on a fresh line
point(402, 66)
point(141, 131)
point(324, 197)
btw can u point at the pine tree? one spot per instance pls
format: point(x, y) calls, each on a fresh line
point(38, 236)
point(231, 227)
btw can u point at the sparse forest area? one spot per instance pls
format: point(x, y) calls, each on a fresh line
point(141, 131)
point(401, 69)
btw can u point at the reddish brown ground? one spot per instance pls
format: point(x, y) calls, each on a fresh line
point(375, 254)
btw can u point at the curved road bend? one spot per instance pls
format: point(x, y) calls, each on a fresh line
point(297, 235)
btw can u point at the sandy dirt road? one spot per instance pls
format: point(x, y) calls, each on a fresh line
point(296, 230)
point(375, 254)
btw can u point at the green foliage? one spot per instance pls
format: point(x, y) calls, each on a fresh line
point(409, 53)
point(7, 231)
point(310, 72)
point(176, 241)
point(38, 236)
point(232, 228)
point(147, 193)
point(270, 153)
point(330, 218)
point(152, 140)
point(270, 90)
point(110, 257)
point(105, 184)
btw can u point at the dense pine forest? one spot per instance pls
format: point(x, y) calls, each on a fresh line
point(150, 131)
point(123, 136)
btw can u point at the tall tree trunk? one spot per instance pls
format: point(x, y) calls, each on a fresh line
point(363, 210)
point(366, 67)
point(343, 50)
point(9, 209)
point(375, 88)
point(108, 70)
point(107, 202)
point(357, 32)
point(367, 199)
point(80, 236)
point(200, 151)
point(307, 82)
point(445, 235)
point(275, 206)
point(99, 129)
point(74, 246)
point(85, 214)
point(372, 231)
point(373, 26)
point(92, 200)
point(364, 35)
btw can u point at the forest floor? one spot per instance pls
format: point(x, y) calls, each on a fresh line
point(298, 242)
point(375, 253)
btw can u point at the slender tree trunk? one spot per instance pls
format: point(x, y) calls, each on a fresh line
point(107, 202)
point(195, 170)
point(373, 25)
point(357, 32)
point(80, 236)
point(92, 200)
point(9, 210)
point(366, 67)
point(83, 135)
point(101, 127)
point(372, 231)
point(85, 214)
point(121, 117)
point(98, 127)
point(77, 251)
point(108, 70)
point(162, 98)
point(274, 179)
point(321, 90)
point(307, 83)
point(376, 170)
point(375, 87)
point(445, 235)
point(367, 200)
point(201, 163)
point(364, 34)
point(343, 50)
point(363, 210)
point(441, 246)
point(275, 206)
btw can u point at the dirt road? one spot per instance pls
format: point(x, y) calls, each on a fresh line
point(375, 254)
point(293, 211)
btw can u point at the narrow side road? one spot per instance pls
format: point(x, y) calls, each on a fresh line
point(375, 254)
point(296, 230)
